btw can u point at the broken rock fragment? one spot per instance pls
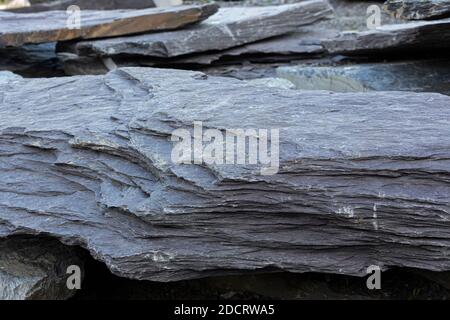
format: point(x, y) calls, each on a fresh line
point(307, 41)
point(416, 36)
point(32, 60)
point(17, 29)
point(230, 27)
point(302, 44)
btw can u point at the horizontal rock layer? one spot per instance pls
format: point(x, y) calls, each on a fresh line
point(21, 28)
point(86, 5)
point(418, 9)
point(306, 43)
point(363, 177)
point(418, 76)
point(230, 27)
point(417, 35)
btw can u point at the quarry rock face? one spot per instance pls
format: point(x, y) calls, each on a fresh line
point(301, 44)
point(23, 28)
point(354, 179)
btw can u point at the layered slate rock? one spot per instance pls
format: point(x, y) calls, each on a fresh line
point(362, 178)
point(86, 5)
point(230, 27)
point(36, 269)
point(419, 76)
point(18, 29)
point(305, 43)
point(417, 35)
point(418, 9)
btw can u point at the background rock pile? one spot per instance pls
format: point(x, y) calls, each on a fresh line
point(86, 140)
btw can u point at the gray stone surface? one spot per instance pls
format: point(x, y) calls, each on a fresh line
point(21, 28)
point(35, 269)
point(419, 76)
point(363, 177)
point(302, 44)
point(417, 35)
point(86, 5)
point(6, 76)
point(306, 41)
point(418, 9)
point(230, 27)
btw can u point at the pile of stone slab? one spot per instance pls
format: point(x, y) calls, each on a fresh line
point(409, 51)
point(25, 28)
point(153, 169)
point(339, 40)
point(174, 36)
point(231, 32)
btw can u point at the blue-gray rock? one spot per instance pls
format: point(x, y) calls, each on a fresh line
point(362, 179)
point(418, 76)
point(22, 28)
point(408, 37)
point(418, 9)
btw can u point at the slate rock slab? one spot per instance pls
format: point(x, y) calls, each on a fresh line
point(418, 76)
point(417, 36)
point(230, 27)
point(86, 5)
point(418, 9)
point(17, 29)
point(307, 41)
point(362, 179)
point(36, 269)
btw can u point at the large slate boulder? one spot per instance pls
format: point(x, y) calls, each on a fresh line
point(305, 43)
point(230, 27)
point(22, 28)
point(362, 177)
